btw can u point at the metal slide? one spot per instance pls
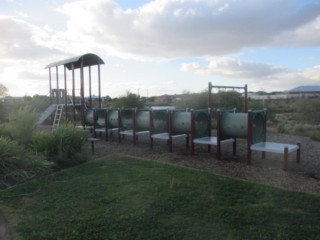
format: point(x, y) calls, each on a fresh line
point(52, 108)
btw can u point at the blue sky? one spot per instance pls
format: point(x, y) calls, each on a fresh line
point(163, 46)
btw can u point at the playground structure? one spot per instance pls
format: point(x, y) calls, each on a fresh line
point(193, 125)
point(61, 103)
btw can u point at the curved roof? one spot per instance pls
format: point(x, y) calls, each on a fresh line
point(88, 59)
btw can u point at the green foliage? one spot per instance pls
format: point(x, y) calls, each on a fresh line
point(63, 146)
point(281, 128)
point(126, 198)
point(5, 131)
point(18, 164)
point(2, 112)
point(131, 100)
point(309, 110)
point(258, 105)
point(315, 136)
point(193, 100)
point(45, 143)
point(299, 130)
point(21, 124)
point(39, 103)
point(228, 100)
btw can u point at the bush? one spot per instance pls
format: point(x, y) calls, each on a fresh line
point(299, 130)
point(281, 128)
point(5, 131)
point(63, 146)
point(44, 142)
point(315, 136)
point(21, 124)
point(19, 164)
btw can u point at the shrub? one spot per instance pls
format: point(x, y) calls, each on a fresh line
point(299, 130)
point(281, 128)
point(5, 131)
point(19, 164)
point(63, 146)
point(21, 124)
point(44, 142)
point(315, 136)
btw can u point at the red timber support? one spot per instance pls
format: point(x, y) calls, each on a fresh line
point(249, 137)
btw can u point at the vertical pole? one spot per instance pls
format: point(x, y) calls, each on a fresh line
point(151, 128)
point(134, 115)
point(65, 92)
point(210, 126)
point(50, 86)
point(99, 84)
point(245, 98)
point(218, 134)
point(192, 132)
point(119, 126)
point(106, 123)
point(285, 158)
point(90, 96)
point(73, 95)
point(298, 152)
point(170, 130)
point(209, 95)
point(94, 123)
point(82, 95)
point(249, 139)
point(57, 79)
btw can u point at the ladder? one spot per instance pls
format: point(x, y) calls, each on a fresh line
point(57, 117)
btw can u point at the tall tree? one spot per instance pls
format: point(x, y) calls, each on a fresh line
point(3, 90)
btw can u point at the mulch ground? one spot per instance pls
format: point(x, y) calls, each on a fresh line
point(304, 177)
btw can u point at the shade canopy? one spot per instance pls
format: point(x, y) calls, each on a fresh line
point(88, 59)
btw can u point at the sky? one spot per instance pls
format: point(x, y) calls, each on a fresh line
point(156, 47)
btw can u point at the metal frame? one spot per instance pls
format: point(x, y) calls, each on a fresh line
point(79, 62)
point(245, 88)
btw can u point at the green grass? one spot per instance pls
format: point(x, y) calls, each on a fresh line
point(126, 198)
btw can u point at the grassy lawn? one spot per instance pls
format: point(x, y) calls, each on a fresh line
point(126, 198)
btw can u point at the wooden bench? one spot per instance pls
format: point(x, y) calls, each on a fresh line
point(282, 148)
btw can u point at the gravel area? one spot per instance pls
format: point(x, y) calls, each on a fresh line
point(304, 177)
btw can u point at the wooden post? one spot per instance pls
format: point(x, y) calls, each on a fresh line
point(285, 158)
point(218, 134)
point(298, 152)
point(151, 128)
point(170, 130)
point(249, 140)
point(106, 124)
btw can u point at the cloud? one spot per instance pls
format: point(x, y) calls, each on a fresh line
point(274, 78)
point(171, 29)
point(19, 40)
point(233, 68)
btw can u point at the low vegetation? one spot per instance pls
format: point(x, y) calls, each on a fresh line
point(125, 198)
point(25, 153)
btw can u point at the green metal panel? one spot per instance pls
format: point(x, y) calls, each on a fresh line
point(160, 121)
point(234, 125)
point(258, 126)
point(126, 119)
point(113, 118)
point(201, 123)
point(181, 122)
point(89, 116)
point(142, 120)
